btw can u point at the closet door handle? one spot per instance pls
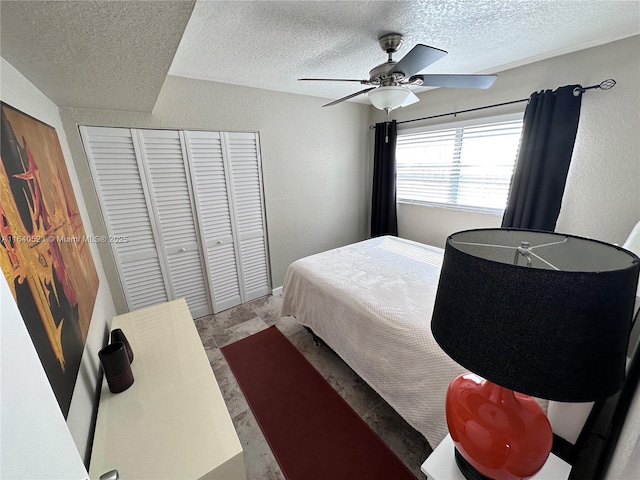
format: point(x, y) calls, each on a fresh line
point(219, 242)
point(183, 249)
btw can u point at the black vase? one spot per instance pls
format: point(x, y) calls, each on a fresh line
point(116, 366)
point(117, 335)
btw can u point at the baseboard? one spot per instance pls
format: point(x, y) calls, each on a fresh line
point(276, 291)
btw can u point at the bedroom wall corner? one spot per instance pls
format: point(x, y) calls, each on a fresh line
point(18, 92)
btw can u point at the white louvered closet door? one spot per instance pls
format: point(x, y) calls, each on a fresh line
point(123, 198)
point(166, 168)
point(210, 182)
point(243, 158)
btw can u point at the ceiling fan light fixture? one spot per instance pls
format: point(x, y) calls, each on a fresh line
point(388, 98)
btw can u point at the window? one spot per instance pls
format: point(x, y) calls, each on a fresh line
point(464, 165)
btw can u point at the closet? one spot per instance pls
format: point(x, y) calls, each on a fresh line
point(184, 212)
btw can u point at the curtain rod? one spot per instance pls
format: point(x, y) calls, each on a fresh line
point(604, 85)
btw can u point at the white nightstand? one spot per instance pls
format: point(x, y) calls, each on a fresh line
point(441, 465)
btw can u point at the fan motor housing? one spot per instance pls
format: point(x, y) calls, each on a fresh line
point(380, 74)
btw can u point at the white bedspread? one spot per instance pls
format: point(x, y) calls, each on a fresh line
point(371, 302)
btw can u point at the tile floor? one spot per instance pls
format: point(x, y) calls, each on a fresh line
point(239, 322)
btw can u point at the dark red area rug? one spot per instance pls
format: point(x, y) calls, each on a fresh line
point(313, 433)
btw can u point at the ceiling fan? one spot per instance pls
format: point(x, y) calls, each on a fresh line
point(390, 80)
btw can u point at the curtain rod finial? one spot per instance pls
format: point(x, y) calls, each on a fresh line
point(607, 84)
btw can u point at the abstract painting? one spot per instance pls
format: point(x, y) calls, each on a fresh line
point(44, 251)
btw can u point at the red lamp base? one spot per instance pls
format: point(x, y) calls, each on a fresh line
point(498, 434)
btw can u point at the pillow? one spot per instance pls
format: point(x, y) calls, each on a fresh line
point(633, 245)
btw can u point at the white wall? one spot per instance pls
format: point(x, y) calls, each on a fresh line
point(18, 92)
point(432, 225)
point(313, 159)
point(35, 440)
point(602, 195)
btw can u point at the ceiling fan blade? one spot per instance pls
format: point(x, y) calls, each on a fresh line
point(411, 99)
point(418, 58)
point(364, 82)
point(455, 81)
point(349, 96)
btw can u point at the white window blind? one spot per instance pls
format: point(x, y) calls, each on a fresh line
point(458, 166)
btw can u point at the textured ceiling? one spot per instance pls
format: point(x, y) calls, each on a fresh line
point(116, 54)
point(270, 44)
point(94, 54)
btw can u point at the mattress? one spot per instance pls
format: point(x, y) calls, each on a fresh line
point(371, 302)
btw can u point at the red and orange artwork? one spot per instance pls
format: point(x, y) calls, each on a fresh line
point(43, 251)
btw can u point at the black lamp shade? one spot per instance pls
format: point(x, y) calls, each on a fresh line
point(555, 334)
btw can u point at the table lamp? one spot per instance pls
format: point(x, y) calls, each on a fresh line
point(529, 313)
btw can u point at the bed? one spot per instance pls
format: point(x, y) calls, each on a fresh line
point(371, 302)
